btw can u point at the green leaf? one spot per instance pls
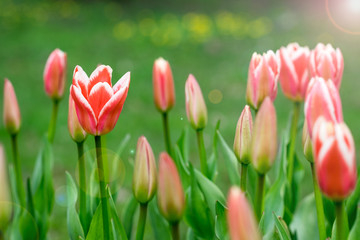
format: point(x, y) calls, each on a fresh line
point(118, 229)
point(128, 215)
point(183, 144)
point(159, 225)
point(281, 228)
point(355, 230)
point(183, 167)
point(96, 226)
point(221, 229)
point(212, 161)
point(230, 161)
point(352, 203)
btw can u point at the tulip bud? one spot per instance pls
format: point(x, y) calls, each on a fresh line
point(243, 133)
point(262, 78)
point(163, 84)
point(241, 219)
point(54, 74)
point(322, 99)
point(195, 105)
point(335, 162)
point(144, 179)
point(5, 198)
point(77, 133)
point(264, 138)
point(307, 144)
point(294, 72)
point(12, 117)
point(328, 63)
point(171, 200)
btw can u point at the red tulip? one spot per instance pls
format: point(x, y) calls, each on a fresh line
point(335, 162)
point(294, 72)
point(77, 133)
point(98, 103)
point(54, 74)
point(12, 117)
point(163, 84)
point(262, 78)
point(241, 219)
point(322, 99)
point(243, 134)
point(328, 63)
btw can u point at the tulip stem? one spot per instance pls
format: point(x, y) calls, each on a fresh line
point(52, 124)
point(259, 196)
point(82, 180)
point(142, 220)
point(293, 130)
point(243, 176)
point(319, 205)
point(202, 152)
point(342, 226)
point(102, 187)
point(18, 173)
point(166, 132)
point(175, 231)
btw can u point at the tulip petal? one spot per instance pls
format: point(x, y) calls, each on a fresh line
point(101, 74)
point(124, 81)
point(81, 80)
point(99, 95)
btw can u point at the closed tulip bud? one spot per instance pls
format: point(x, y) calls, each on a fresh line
point(264, 138)
point(12, 117)
point(294, 72)
point(328, 63)
point(335, 162)
point(307, 144)
point(54, 74)
point(322, 99)
point(145, 176)
point(262, 78)
point(163, 84)
point(195, 105)
point(240, 217)
point(243, 133)
point(5, 198)
point(77, 133)
point(171, 200)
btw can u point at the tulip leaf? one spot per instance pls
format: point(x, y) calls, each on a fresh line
point(352, 203)
point(182, 167)
point(183, 144)
point(221, 229)
point(159, 225)
point(355, 230)
point(118, 227)
point(212, 161)
point(128, 215)
point(281, 227)
point(230, 161)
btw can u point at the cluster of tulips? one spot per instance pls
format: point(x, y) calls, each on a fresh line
point(255, 208)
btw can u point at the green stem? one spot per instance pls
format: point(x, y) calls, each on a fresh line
point(18, 173)
point(52, 124)
point(293, 129)
point(166, 132)
point(202, 152)
point(243, 176)
point(82, 180)
point(175, 233)
point(319, 205)
point(259, 196)
point(142, 220)
point(342, 226)
point(102, 187)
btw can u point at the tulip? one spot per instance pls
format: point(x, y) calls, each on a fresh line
point(77, 133)
point(322, 99)
point(243, 133)
point(171, 200)
point(328, 63)
point(12, 117)
point(144, 178)
point(294, 72)
point(98, 104)
point(307, 144)
point(262, 78)
point(334, 154)
point(5, 197)
point(163, 83)
point(241, 221)
point(54, 74)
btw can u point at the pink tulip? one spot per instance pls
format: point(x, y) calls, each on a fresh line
point(243, 134)
point(294, 72)
point(98, 104)
point(163, 83)
point(12, 117)
point(328, 63)
point(195, 105)
point(240, 217)
point(171, 199)
point(77, 133)
point(54, 74)
point(335, 162)
point(322, 99)
point(262, 78)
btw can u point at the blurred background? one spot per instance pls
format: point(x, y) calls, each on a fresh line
point(213, 40)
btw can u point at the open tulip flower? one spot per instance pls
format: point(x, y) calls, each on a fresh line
point(98, 103)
